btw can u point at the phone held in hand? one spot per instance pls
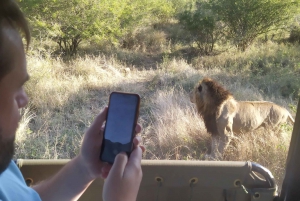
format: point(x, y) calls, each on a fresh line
point(121, 120)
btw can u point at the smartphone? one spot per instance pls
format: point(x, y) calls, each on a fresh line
point(121, 120)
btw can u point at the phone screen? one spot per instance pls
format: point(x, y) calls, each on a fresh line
point(120, 125)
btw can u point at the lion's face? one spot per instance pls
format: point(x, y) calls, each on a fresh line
point(197, 95)
point(208, 95)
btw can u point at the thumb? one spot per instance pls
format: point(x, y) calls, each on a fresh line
point(95, 128)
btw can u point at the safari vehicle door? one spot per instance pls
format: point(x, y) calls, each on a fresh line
point(291, 183)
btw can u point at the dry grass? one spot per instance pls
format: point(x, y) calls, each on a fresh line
point(172, 135)
point(265, 147)
point(66, 96)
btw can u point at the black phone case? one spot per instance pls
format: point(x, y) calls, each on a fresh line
point(107, 143)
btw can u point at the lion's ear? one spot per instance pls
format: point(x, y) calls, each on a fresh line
point(200, 88)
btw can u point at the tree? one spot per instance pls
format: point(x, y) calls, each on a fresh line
point(67, 22)
point(203, 25)
point(247, 19)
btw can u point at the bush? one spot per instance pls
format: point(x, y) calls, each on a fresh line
point(203, 26)
point(246, 20)
point(145, 40)
point(294, 34)
point(69, 22)
point(241, 22)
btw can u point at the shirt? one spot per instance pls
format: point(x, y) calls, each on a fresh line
point(13, 186)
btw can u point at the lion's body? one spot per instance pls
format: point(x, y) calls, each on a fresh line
point(266, 114)
point(224, 116)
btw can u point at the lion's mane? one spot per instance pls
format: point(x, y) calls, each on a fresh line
point(208, 107)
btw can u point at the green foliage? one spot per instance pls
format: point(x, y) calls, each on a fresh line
point(131, 15)
point(238, 21)
point(180, 5)
point(247, 19)
point(69, 22)
point(203, 26)
point(294, 36)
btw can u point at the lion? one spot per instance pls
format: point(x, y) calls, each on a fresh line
point(223, 116)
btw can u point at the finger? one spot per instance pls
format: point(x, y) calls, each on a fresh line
point(94, 134)
point(105, 170)
point(118, 167)
point(137, 140)
point(102, 129)
point(96, 126)
point(135, 159)
point(138, 128)
point(143, 148)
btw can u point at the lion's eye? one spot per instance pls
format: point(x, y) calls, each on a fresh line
point(200, 88)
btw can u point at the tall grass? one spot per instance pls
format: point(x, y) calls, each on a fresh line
point(65, 96)
point(172, 134)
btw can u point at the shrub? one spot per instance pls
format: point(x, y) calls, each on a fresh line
point(294, 34)
point(69, 22)
point(246, 20)
point(240, 21)
point(203, 26)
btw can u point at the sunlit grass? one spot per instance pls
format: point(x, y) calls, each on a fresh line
point(65, 96)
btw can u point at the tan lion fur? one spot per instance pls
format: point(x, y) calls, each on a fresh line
point(223, 115)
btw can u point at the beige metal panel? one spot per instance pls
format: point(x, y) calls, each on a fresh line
point(175, 180)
